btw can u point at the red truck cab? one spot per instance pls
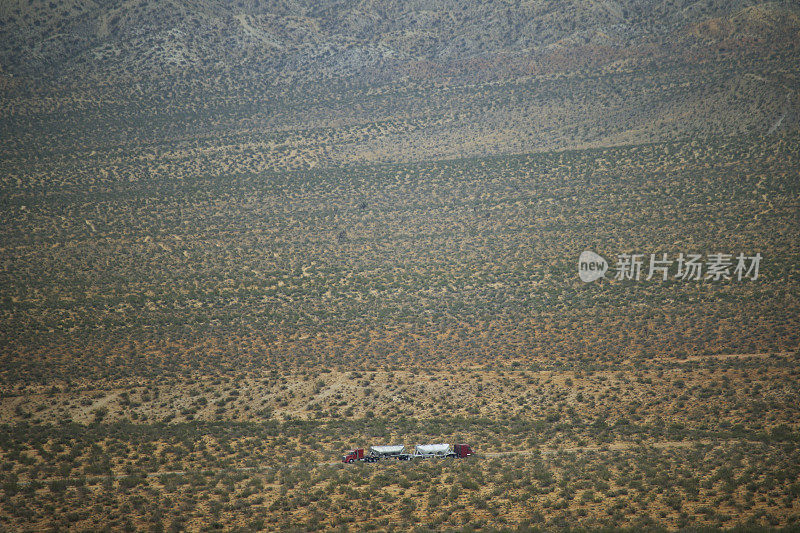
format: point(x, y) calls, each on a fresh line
point(462, 450)
point(353, 455)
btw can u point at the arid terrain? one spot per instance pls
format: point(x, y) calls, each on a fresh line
point(668, 443)
point(240, 239)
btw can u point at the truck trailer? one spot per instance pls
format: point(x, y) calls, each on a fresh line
point(376, 453)
point(421, 451)
point(432, 450)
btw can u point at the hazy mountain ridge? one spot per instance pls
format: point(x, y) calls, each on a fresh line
point(297, 39)
point(390, 81)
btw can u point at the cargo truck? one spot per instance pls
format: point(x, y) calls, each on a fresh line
point(421, 451)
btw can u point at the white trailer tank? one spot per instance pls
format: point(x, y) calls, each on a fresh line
point(387, 450)
point(432, 449)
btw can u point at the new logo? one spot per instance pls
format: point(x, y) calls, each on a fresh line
point(591, 266)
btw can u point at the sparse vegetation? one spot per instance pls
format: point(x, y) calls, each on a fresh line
point(241, 238)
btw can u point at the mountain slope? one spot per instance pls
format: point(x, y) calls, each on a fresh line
point(393, 81)
point(345, 38)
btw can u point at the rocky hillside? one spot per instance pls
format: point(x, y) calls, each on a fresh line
point(395, 80)
point(291, 39)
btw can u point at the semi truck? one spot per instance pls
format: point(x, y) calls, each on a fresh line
point(421, 451)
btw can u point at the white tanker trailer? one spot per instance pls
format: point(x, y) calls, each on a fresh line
point(421, 451)
point(433, 450)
